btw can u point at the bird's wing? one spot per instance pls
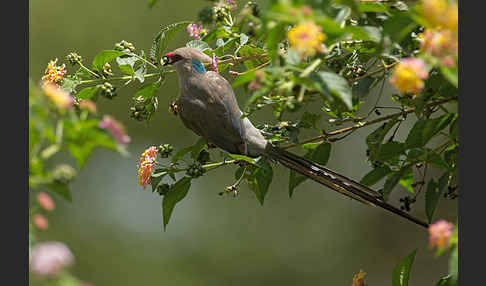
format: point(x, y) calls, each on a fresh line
point(210, 107)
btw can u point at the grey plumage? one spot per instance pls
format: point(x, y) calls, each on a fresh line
point(207, 105)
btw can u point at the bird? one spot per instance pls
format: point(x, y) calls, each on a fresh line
point(207, 105)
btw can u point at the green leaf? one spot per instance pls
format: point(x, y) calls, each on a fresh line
point(176, 193)
point(401, 273)
point(243, 158)
point(407, 181)
point(372, 7)
point(390, 150)
point(426, 129)
point(362, 88)
point(198, 44)
point(451, 74)
point(375, 175)
point(244, 78)
point(62, 190)
point(104, 57)
point(87, 93)
point(152, 3)
point(399, 25)
point(69, 84)
point(196, 148)
point(260, 180)
point(162, 39)
point(446, 281)
point(393, 180)
point(155, 180)
point(454, 264)
point(250, 50)
point(126, 64)
point(333, 85)
point(375, 139)
point(148, 91)
point(433, 194)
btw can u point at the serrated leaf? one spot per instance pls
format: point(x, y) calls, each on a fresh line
point(176, 193)
point(390, 150)
point(433, 194)
point(393, 180)
point(424, 130)
point(375, 175)
point(333, 85)
point(401, 273)
point(62, 190)
point(155, 180)
point(162, 39)
point(126, 64)
point(260, 179)
point(198, 44)
point(104, 57)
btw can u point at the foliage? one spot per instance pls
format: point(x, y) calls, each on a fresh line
point(287, 56)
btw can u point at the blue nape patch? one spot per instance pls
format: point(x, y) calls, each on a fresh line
point(198, 66)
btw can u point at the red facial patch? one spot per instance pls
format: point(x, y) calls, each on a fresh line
point(169, 54)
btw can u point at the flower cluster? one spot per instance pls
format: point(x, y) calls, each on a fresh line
point(58, 96)
point(146, 166)
point(306, 38)
point(408, 75)
point(116, 129)
point(440, 234)
point(48, 258)
point(54, 73)
point(194, 31)
point(441, 14)
point(441, 44)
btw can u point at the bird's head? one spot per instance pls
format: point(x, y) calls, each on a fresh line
point(185, 58)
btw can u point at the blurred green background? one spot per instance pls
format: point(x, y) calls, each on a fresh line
point(114, 227)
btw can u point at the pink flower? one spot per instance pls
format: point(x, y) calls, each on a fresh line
point(116, 129)
point(146, 166)
point(440, 234)
point(214, 63)
point(194, 31)
point(48, 258)
point(40, 221)
point(45, 201)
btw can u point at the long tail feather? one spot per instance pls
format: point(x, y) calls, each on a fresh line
point(336, 182)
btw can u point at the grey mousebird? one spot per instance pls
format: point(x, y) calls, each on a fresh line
point(207, 105)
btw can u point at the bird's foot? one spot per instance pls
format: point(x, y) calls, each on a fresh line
point(173, 108)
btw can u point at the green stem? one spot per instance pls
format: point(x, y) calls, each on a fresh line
point(94, 81)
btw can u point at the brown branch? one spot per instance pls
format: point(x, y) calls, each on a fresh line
point(366, 123)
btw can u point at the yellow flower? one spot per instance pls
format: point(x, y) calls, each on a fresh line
point(441, 14)
point(358, 279)
point(306, 38)
point(54, 73)
point(58, 96)
point(146, 166)
point(408, 75)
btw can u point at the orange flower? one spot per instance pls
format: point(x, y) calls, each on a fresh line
point(306, 38)
point(58, 96)
point(440, 234)
point(408, 75)
point(54, 73)
point(146, 166)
